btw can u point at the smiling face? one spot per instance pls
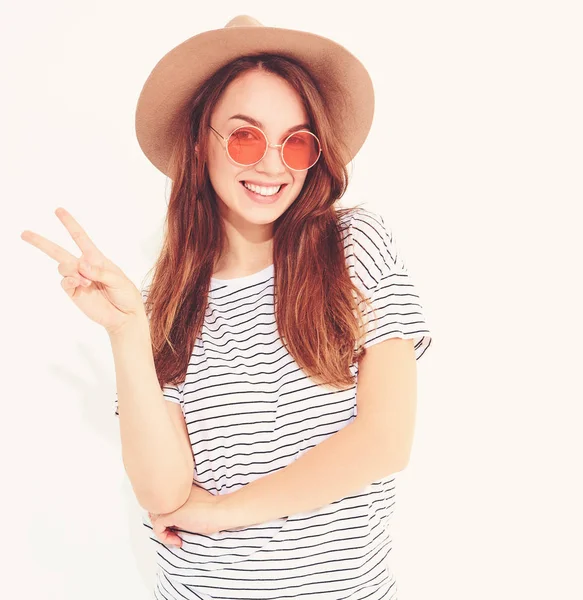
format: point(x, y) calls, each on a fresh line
point(275, 107)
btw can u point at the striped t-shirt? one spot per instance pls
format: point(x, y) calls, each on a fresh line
point(250, 411)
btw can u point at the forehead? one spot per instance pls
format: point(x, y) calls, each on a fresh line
point(266, 97)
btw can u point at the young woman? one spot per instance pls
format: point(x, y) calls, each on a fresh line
point(262, 419)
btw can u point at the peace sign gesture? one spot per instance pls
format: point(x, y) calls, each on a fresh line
point(102, 291)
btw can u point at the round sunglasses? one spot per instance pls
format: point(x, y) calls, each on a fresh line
point(247, 145)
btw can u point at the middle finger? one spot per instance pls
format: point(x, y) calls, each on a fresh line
point(80, 237)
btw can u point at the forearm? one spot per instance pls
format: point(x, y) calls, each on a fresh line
point(157, 465)
point(341, 465)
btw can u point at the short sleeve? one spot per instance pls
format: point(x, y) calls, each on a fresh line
point(380, 272)
point(172, 393)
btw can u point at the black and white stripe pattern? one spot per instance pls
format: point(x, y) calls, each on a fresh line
point(250, 411)
point(374, 261)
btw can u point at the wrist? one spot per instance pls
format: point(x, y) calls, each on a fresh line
point(138, 322)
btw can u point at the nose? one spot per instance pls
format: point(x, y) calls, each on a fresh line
point(272, 162)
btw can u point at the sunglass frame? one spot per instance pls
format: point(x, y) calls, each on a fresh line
point(267, 146)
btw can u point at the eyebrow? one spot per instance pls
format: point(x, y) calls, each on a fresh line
point(260, 125)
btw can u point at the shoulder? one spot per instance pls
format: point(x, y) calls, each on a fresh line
point(366, 228)
point(368, 246)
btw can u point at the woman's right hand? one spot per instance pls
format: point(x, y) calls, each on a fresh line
point(110, 298)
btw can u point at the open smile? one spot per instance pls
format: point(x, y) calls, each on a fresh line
point(261, 199)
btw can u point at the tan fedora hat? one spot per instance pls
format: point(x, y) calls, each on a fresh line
point(343, 81)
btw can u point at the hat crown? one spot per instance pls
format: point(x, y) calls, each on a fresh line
point(244, 21)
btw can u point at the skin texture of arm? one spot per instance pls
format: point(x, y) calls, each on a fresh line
point(156, 457)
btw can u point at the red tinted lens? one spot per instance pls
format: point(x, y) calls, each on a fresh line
point(246, 145)
point(301, 150)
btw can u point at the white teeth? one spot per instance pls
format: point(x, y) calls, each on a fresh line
point(264, 191)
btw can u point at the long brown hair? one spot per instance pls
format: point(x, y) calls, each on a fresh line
point(318, 316)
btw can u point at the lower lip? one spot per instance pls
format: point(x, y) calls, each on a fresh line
point(264, 199)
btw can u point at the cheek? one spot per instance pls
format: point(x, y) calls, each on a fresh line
point(222, 173)
point(214, 164)
point(298, 185)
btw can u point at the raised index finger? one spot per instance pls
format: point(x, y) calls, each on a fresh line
point(49, 248)
point(78, 234)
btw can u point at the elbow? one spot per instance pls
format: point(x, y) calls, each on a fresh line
point(398, 461)
point(394, 462)
point(401, 466)
point(392, 466)
point(166, 501)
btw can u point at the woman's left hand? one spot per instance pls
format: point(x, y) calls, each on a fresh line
point(199, 514)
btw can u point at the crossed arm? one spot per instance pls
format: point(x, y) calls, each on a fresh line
point(376, 444)
point(339, 466)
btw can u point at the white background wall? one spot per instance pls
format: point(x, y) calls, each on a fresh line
point(475, 161)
